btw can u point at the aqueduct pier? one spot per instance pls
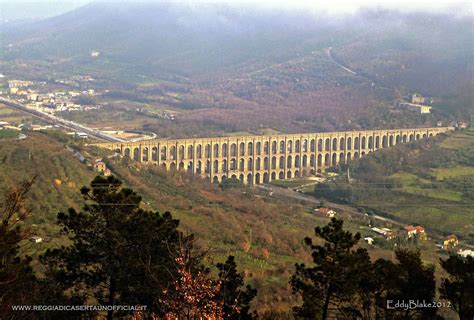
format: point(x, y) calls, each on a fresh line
point(263, 158)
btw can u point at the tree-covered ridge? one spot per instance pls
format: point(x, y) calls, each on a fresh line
point(110, 263)
point(120, 254)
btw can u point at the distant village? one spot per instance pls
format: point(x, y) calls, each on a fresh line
point(27, 92)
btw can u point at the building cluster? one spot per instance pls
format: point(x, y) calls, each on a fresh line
point(4, 125)
point(418, 104)
point(49, 102)
point(407, 233)
point(451, 244)
point(78, 134)
point(166, 116)
point(163, 115)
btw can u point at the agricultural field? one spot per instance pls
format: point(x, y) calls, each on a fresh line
point(440, 197)
point(12, 116)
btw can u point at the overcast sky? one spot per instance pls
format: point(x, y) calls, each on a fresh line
point(38, 9)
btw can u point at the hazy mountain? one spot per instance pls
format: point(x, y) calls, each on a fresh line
point(183, 38)
point(178, 37)
point(257, 54)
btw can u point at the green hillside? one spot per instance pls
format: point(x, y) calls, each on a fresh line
point(429, 183)
point(264, 234)
point(59, 177)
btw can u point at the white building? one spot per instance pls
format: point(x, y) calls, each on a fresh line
point(369, 240)
point(36, 239)
point(419, 108)
point(466, 253)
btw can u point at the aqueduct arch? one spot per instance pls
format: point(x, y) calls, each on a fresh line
point(263, 158)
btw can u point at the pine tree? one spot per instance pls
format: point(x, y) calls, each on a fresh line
point(327, 287)
point(236, 299)
point(407, 279)
point(458, 287)
point(120, 253)
point(416, 282)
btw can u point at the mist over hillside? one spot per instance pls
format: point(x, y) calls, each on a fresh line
point(249, 58)
point(202, 38)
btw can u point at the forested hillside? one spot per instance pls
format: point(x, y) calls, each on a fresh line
point(264, 234)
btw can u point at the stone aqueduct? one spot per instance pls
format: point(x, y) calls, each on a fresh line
point(263, 158)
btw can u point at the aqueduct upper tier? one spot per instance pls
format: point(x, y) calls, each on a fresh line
point(263, 158)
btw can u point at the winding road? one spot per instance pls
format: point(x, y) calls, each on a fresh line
point(328, 52)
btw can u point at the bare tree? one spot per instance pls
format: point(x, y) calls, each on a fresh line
point(17, 280)
point(193, 295)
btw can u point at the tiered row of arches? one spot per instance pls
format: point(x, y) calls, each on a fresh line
point(257, 159)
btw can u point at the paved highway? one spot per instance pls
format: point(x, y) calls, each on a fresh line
point(66, 124)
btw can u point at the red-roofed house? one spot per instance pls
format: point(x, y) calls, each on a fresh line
point(415, 231)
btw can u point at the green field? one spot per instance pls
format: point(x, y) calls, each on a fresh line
point(457, 171)
point(8, 134)
point(436, 195)
point(294, 183)
point(459, 140)
point(415, 185)
point(12, 116)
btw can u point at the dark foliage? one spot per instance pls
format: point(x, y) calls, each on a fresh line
point(344, 283)
point(458, 287)
point(118, 249)
point(234, 293)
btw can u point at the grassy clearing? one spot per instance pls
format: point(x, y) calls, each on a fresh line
point(459, 140)
point(12, 116)
point(8, 134)
point(6, 112)
point(413, 184)
point(444, 216)
point(295, 183)
point(458, 171)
